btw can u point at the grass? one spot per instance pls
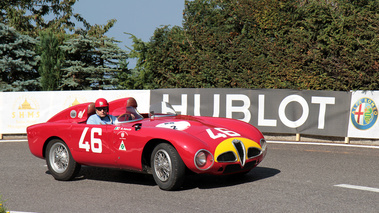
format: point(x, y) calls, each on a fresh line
point(3, 209)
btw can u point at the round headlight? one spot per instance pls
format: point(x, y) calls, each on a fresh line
point(203, 159)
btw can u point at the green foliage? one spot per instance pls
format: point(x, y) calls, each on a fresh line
point(91, 63)
point(32, 16)
point(88, 60)
point(52, 59)
point(293, 44)
point(18, 61)
point(334, 45)
point(3, 208)
point(126, 77)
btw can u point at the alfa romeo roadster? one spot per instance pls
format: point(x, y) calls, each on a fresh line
point(161, 143)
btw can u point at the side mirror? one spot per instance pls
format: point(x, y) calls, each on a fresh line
point(152, 115)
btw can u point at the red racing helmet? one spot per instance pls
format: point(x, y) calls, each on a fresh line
point(101, 102)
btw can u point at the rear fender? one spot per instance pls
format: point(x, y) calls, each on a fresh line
point(40, 134)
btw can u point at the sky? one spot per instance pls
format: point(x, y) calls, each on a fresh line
point(138, 17)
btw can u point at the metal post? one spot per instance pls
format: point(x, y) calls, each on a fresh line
point(347, 140)
point(297, 136)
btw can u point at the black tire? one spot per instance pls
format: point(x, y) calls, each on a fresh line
point(60, 162)
point(167, 167)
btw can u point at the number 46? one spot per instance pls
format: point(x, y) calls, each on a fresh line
point(96, 144)
point(222, 133)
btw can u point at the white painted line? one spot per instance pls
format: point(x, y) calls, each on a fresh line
point(13, 141)
point(364, 188)
point(20, 212)
point(324, 144)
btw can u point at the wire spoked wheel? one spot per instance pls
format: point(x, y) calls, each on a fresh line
point(162, 165)
point(59, 157)
point(60, 162)
point(167, 166)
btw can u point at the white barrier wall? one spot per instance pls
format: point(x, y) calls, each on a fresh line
point(353, 114)
point(19, 110)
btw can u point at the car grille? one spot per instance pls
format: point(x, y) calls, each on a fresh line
point(253, 152)
point(227, 157)
point(230, 156)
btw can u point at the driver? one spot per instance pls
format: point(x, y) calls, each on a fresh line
point(101, 116)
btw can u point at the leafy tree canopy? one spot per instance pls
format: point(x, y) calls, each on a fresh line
point(293, 44)
point(32, 16)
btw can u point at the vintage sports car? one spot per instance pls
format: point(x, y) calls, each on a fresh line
point(161, 143)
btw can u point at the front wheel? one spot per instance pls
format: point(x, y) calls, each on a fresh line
point(167, 167)
point(60, 162)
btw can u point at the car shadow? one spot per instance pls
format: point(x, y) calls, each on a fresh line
point(211, 181)
point(201, 181)
point(113, 175)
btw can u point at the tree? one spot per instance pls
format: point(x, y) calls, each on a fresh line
point(291, 44)
point(331, 45)
point(51, 60)
point(91, 63)
point(220, 45)
point(144, 75)
point(52, 20)
point(32, 16)
point(18, 61)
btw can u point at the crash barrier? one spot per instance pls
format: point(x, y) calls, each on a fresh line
point(19, 110)
point(323, 113)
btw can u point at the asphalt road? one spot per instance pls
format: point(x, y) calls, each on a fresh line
point(292, 178)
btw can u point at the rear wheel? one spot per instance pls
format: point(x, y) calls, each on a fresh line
point(60, 162)
point(167, 167)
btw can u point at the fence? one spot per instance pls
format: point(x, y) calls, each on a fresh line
point(320, 113)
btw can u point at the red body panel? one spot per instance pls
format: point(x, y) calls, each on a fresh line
point(123, 145)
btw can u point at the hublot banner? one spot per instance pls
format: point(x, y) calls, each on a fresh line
point(271, 111)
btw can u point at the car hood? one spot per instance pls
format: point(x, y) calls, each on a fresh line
point(209, 129)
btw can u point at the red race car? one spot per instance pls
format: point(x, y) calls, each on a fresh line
point(161, 143)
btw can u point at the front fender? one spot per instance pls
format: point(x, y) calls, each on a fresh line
point(185, 144)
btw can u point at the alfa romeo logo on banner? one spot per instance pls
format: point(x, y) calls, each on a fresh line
point(364, 113)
